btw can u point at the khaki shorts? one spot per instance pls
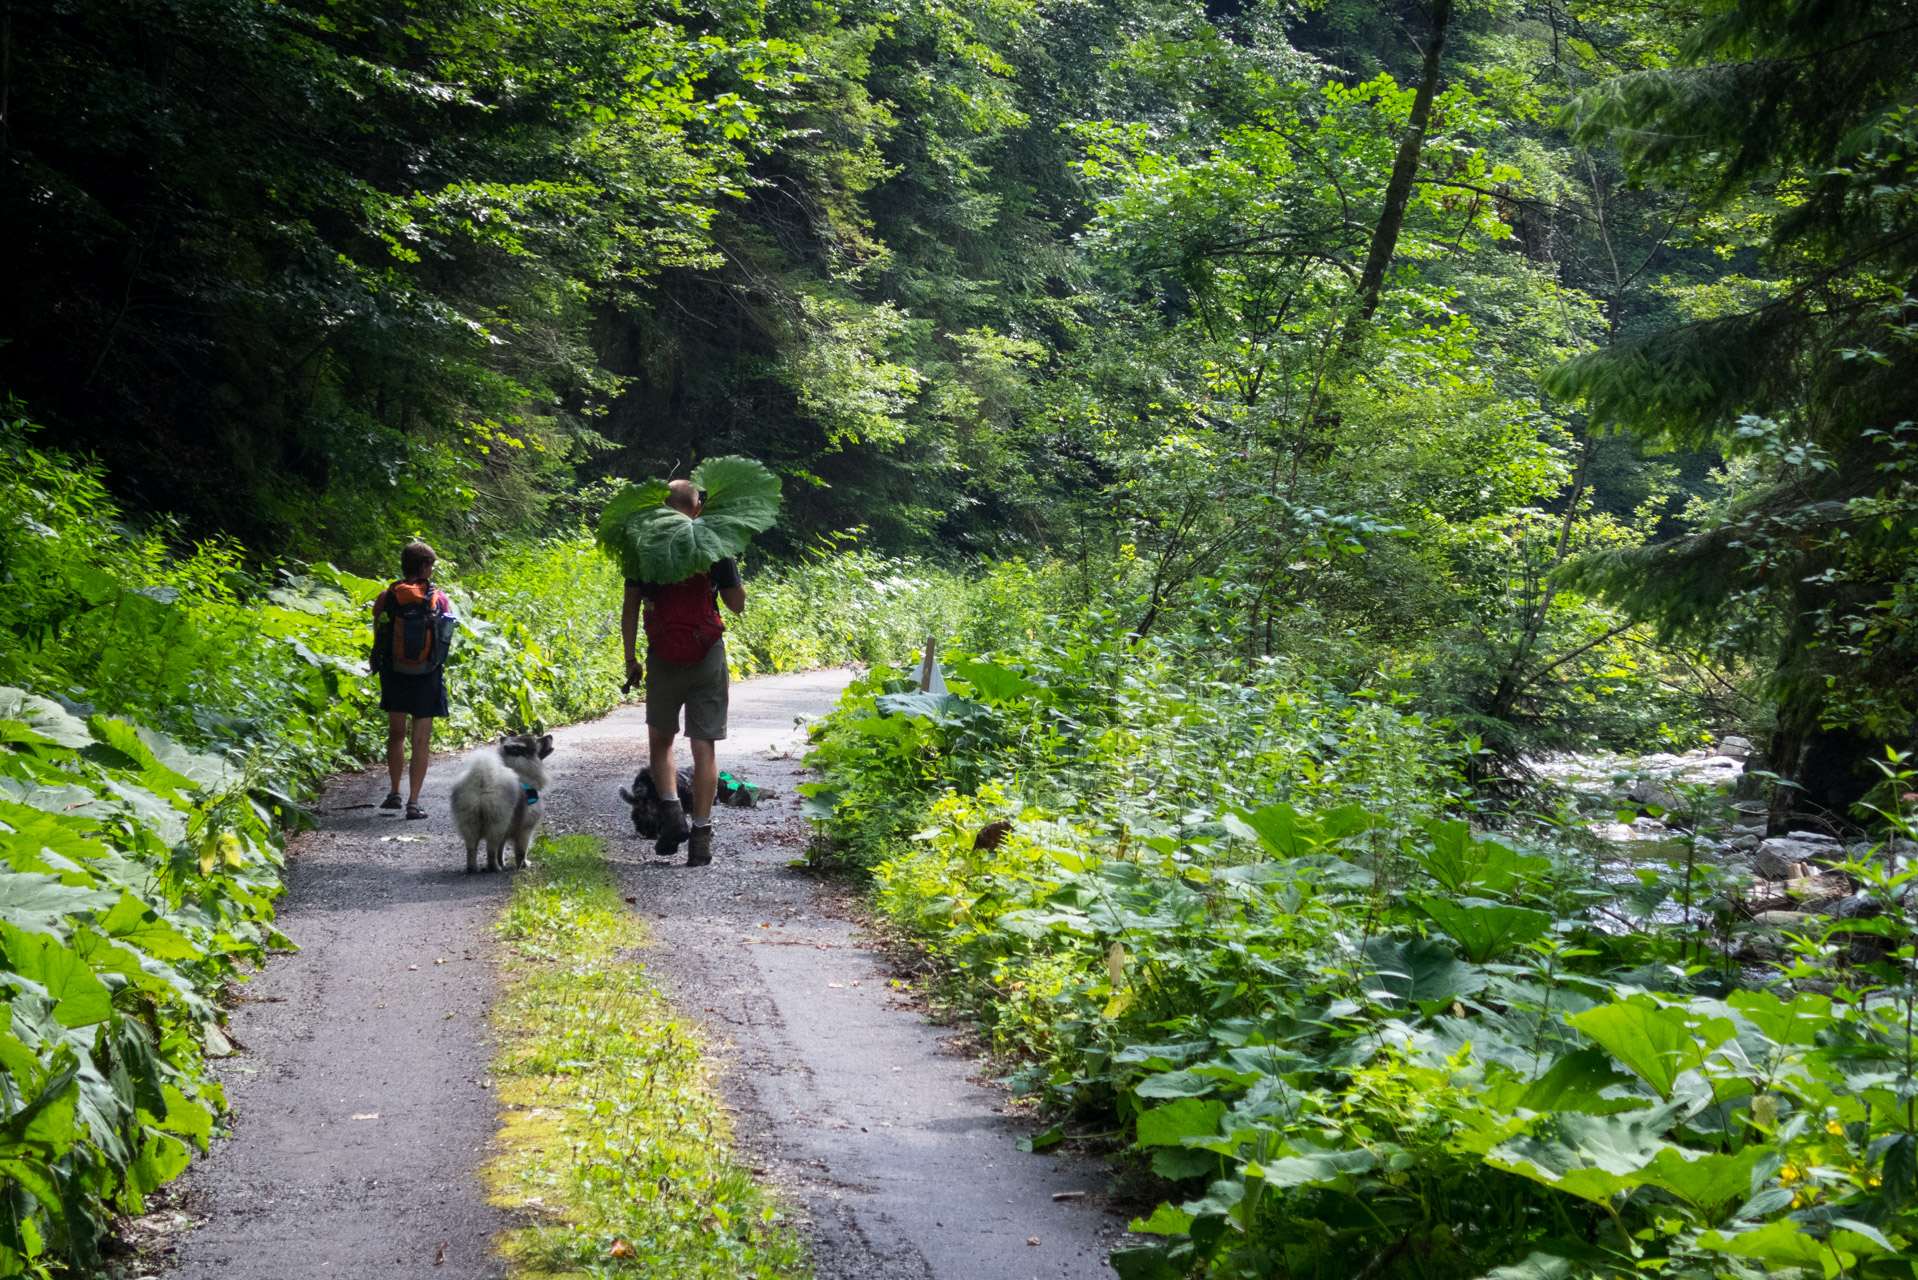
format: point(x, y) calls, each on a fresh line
point(700, 687)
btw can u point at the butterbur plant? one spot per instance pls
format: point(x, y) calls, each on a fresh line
point(653, 542)
point(1346, 1031)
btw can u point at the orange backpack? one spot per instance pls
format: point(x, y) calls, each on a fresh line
point(422, 631)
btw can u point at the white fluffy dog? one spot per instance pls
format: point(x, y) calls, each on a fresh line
point(497, 799)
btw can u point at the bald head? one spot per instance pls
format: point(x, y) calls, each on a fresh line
point(682, 497)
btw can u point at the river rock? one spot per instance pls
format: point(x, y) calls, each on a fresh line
point(1859, 906)
point(1821, 887)
point(1774, 857)
point(1737, 748)
point(1649, 791)
point(1743, 844)
point(1781, 917)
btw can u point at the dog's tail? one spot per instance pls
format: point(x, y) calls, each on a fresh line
point(628, 796)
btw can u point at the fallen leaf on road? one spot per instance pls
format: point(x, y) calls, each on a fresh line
point(836, 984)
point(441, 960)
point(1032, 1239)
point(1068, 1195)
point(632, 899)
point(441, 1259)
point(412, 966)
point(367, 1115)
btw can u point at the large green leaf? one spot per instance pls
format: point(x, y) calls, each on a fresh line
point(1796, 1023)
point(82, 998)
point(1709, 1183)
point(1657, 1044)
point(1464, 865)
point(1576, 1082)
point(1482, 928)
point(40, 903)
point(655, 543)
point(1591, 1157)
point(1419, 971)
point(1287, 833)
point(46, 718)
point(1777, 1244)
point(1171, 1124)
point(1308, 1167)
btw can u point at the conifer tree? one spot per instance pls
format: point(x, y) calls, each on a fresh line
point(1793, 118)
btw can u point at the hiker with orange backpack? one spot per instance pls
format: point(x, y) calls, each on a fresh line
point(413, 627)
point(685, 669)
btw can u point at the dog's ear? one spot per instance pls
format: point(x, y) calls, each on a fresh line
point(546, 746)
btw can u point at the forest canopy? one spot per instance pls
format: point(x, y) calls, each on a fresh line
point(1557, 357)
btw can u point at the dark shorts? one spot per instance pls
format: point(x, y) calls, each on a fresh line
point(700, 687)
point(422, 696)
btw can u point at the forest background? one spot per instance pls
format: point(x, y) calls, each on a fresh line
point(1353, 329)
point(1341, 405)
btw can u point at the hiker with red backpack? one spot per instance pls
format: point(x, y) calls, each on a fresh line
point(685, 669)
point(413, 627)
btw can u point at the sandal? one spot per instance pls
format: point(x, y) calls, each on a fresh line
point(392, 801)
point(414, 811)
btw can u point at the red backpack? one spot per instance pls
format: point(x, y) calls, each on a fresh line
point(683, 625)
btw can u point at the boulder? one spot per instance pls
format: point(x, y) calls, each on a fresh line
point(1773, 859)
point(1781, 917)
point(1743, 843)
point(1859, 906)
point(1651, 791)
point(1736, 747)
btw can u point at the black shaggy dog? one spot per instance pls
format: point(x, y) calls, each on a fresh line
point(643, 796)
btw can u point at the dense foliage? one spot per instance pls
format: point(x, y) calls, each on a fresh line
point(1349, 1033)
point(1320, 411)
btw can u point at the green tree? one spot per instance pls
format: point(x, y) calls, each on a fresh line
point(1790, 128)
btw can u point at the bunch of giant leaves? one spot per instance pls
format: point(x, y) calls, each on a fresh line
point(653, 542)
point(135, 875)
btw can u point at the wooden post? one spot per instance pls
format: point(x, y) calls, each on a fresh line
point(925, 666)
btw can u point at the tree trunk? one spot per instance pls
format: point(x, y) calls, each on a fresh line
point(1398, 192)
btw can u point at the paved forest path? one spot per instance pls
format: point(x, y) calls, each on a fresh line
point(360, 1117)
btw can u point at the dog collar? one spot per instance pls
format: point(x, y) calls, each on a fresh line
point(532, 793)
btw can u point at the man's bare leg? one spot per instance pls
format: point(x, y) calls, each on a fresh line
point(672, 826)
point(699, 849)
point(665, 772)
point(705, 777)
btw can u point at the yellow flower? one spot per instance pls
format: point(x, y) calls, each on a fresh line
point(1833, 1127)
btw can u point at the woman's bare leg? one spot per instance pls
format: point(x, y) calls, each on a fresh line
point(422, 756)
point(395, 748)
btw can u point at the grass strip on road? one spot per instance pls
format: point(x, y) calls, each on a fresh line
point(612, 1138)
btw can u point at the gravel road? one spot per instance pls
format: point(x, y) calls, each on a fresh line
point(361, 1116)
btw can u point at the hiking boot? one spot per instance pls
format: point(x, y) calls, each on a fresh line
point(699, 849)
point(674, 827)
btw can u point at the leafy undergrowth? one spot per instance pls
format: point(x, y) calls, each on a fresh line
point(612, 1138)
point(1351, 1034)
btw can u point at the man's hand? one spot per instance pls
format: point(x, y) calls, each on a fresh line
point(635, 674)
